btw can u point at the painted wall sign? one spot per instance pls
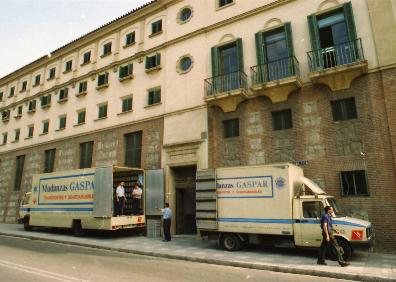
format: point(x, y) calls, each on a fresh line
point(245, 187)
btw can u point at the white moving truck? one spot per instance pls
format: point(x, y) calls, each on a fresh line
point(270, 204)
point(82, 199)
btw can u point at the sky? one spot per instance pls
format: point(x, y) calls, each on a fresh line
point(30, 29)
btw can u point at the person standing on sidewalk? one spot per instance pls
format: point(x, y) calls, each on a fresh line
point(167, 215)
point(328, 239)
point(120, 198)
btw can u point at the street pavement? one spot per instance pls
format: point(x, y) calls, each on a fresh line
point(365, 266)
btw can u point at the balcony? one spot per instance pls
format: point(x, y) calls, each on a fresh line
point(337, 66)
point(276, 79)
point(226, 91)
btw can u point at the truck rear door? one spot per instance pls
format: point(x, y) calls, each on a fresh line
point(307, 224)
point(103, 192)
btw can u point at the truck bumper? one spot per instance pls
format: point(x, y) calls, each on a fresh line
point(362, 245)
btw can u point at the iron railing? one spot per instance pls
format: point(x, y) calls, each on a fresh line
point(225, 83)
point(275, 70)
point(337, 55)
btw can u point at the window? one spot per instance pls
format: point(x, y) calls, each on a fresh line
point(86, 154)
point(86, 57)
point(49, 160)
point(62, 122)
point(20, 160)
point(45, 126)
point(82, 87)
point(37, 79)
point(184, 14)
point(51, 74)
point(81, 116)
point(227, 67)
point(282, 120)
point(19, 111)
point(154, 96)
point(24, 86)
point(126, 71)
point(344, 109)
point(333, 38)
point(63, 93)
point(45, 101)
point(130, 38)
point(231, 128)
point(312, 209)
point(1, 96)
point(12, 92)
point(5, 135)
point(103, 79)
point(5, 115)
point(106, 49)
point(133, 149)
point(156, 27)
point(185, 64)
point(32, 106)
point(354, 183)
point(153, 61)
point(68, 66)
point(30, 131)
point(225, 2)
point(127, 104)
point(102, 111)
point(17, 134)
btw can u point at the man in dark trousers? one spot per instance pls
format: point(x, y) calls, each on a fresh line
point(328, 240)
point(167, 215)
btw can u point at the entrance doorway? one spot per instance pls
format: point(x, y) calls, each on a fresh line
point(185, 200)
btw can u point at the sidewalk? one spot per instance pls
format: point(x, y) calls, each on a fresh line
point(365, 266)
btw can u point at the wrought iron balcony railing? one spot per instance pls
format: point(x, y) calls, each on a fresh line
point(337, 55)
point(275, 70)
point(225, 83)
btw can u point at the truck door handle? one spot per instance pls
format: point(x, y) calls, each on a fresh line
point(297, 221)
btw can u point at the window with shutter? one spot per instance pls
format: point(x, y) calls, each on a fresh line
point(86, 150)
point(133, 149)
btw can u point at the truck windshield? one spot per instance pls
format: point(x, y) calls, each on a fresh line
point(332, 202)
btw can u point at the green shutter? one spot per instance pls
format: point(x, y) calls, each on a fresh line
point(215, 61)
point(350, 22)
point(260, 52)
point(158, 59)
point(130, 69)
point(289, 39)
point(314, 32)
point(120, 72)
point(146, 64)
point(49, 99)
point(239, 53)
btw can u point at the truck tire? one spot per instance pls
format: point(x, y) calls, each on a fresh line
point(26, 224)
point(78, 231)
point(230, 242)
point(346, 248)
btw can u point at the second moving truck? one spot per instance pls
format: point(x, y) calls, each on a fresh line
point(82, 199)
point(270, 204)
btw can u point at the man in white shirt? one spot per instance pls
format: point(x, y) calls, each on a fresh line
point(167, 215)
point(120, 198)
point(136, 197)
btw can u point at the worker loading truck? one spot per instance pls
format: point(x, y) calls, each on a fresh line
point(270, 205)
point(83, 199)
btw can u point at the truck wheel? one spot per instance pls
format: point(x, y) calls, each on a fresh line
point(78, 231)
point(346, 248)
point(26, 224)
point(230, 242)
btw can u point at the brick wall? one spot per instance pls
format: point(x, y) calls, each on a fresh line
point(330, 147)
point(108, 150)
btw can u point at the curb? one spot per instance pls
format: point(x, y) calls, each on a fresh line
point(274, 268)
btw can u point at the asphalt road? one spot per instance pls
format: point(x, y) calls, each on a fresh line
point(33, 260)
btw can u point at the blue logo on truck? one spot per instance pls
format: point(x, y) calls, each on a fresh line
point(280, 182)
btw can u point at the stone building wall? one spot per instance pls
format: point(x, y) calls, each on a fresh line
point(366, 143)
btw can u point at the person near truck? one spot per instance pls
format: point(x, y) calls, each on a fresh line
point(328, 239)
point(120, 198)
point(167, 215)
point(136, 197)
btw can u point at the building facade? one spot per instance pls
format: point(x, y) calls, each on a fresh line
point(182, 85)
